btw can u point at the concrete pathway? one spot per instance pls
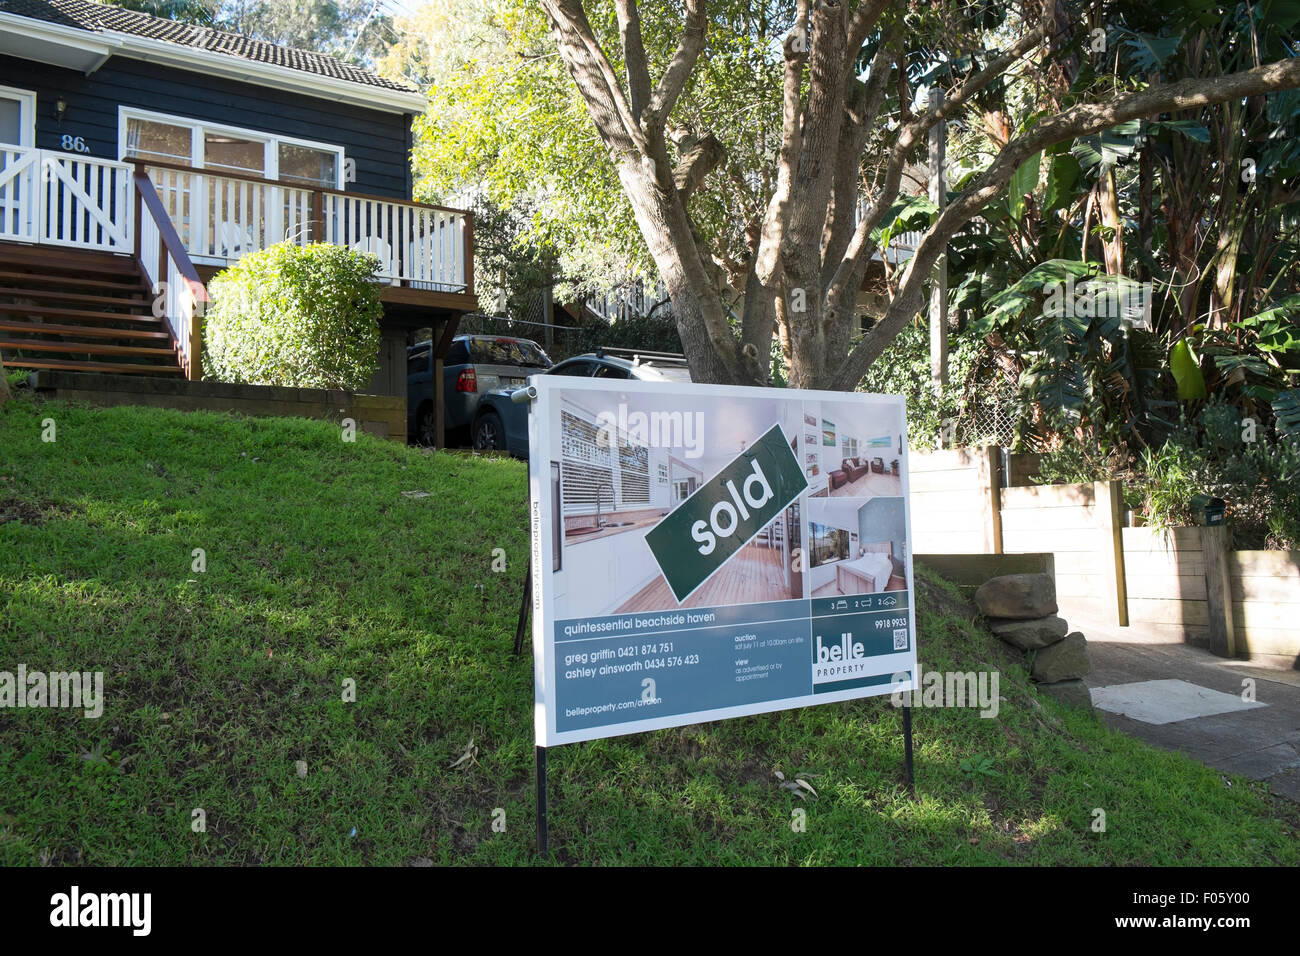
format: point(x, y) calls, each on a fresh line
point(1194, 702)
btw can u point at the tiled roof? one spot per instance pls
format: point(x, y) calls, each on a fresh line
point(100, 17)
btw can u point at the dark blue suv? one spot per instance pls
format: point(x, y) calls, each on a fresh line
point(475, 364)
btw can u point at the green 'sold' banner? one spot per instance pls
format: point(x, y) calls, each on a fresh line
point(710, 526)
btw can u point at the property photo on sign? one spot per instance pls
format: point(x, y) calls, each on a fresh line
point(703, 552)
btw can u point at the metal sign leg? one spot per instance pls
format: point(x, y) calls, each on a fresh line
point(542, 848)
point(907, 748)
point(521, 628)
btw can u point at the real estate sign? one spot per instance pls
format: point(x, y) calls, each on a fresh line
point(703, 552)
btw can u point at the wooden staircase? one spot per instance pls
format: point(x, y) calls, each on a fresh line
point(80, 311)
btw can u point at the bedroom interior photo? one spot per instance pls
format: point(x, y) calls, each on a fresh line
point(856, 548)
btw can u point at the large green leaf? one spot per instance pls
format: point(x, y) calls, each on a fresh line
point(1281, 13)
point(1023, 181)
point(1186, 371)
point(1062, 174)
point(1189, 128)
point(1286, 408)
point(1105, 149)
point(1150, 51)
point(1276, 328)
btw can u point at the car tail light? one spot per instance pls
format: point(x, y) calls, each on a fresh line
point(467, 381)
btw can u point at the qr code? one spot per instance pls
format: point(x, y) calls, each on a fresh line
point(900, 639)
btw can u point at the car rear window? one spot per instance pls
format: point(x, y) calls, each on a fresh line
point(673, 373)
point(457, 354)
point(417, 362)
point(508, 352)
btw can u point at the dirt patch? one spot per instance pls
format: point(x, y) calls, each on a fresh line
point(26, 512)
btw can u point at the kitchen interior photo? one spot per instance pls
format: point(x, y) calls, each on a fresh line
point(856, 547)
point(610, 497)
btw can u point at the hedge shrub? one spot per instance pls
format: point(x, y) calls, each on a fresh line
point(295, 315)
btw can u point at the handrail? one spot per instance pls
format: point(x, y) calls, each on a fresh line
point(285, 184)
point(170, 238)
point(184, 316)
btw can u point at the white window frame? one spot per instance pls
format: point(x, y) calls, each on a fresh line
point(26, 114)
point(271, 141)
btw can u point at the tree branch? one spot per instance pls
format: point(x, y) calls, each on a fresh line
point(863, 21)
point(591, 70)
point(853, 264)
point(1082, 120)
point(679, 69)
point(696, 162)
point(638, 72)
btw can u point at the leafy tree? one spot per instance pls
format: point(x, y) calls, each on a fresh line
point(202, 12)
point(349, 29)
point(841, 64)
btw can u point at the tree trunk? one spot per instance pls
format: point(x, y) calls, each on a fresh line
point(4, 383)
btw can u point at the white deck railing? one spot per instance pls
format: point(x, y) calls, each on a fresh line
point(65, 200)
point(221, 216)
point(425, 246)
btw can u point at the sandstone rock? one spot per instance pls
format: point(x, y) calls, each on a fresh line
point(1020, 596)
point(1072, 693)
point(1064, 660)
point(1030, 635)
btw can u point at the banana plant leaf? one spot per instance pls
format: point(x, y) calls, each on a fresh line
point(1186, 371)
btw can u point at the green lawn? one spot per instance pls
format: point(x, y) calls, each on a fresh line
point(319, 570)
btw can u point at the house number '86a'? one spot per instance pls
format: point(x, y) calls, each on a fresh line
point(74, 144)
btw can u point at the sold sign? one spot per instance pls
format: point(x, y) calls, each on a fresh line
point(712, 525)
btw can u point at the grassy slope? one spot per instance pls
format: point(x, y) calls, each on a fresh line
point(318, 569)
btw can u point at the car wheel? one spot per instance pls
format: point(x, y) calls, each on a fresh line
point(426, 428)
point(489, 434)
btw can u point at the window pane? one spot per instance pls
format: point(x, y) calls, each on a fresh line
point(509, 352)
point(417, 362)
point(11, 130)
point(225, 152)
point(147, 139)
point(313, 167)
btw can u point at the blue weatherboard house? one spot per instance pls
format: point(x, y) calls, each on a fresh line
point(138, 153)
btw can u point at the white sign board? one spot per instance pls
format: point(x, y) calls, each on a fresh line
point(703, 552)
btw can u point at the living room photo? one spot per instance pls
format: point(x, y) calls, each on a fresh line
point(851, 453)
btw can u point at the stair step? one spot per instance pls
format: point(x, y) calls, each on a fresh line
point(68, 366)
point(49, 260)
point(94, 331)
point(83, 315)
point(135, 299)
point(90, 348)
point(132, 284)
